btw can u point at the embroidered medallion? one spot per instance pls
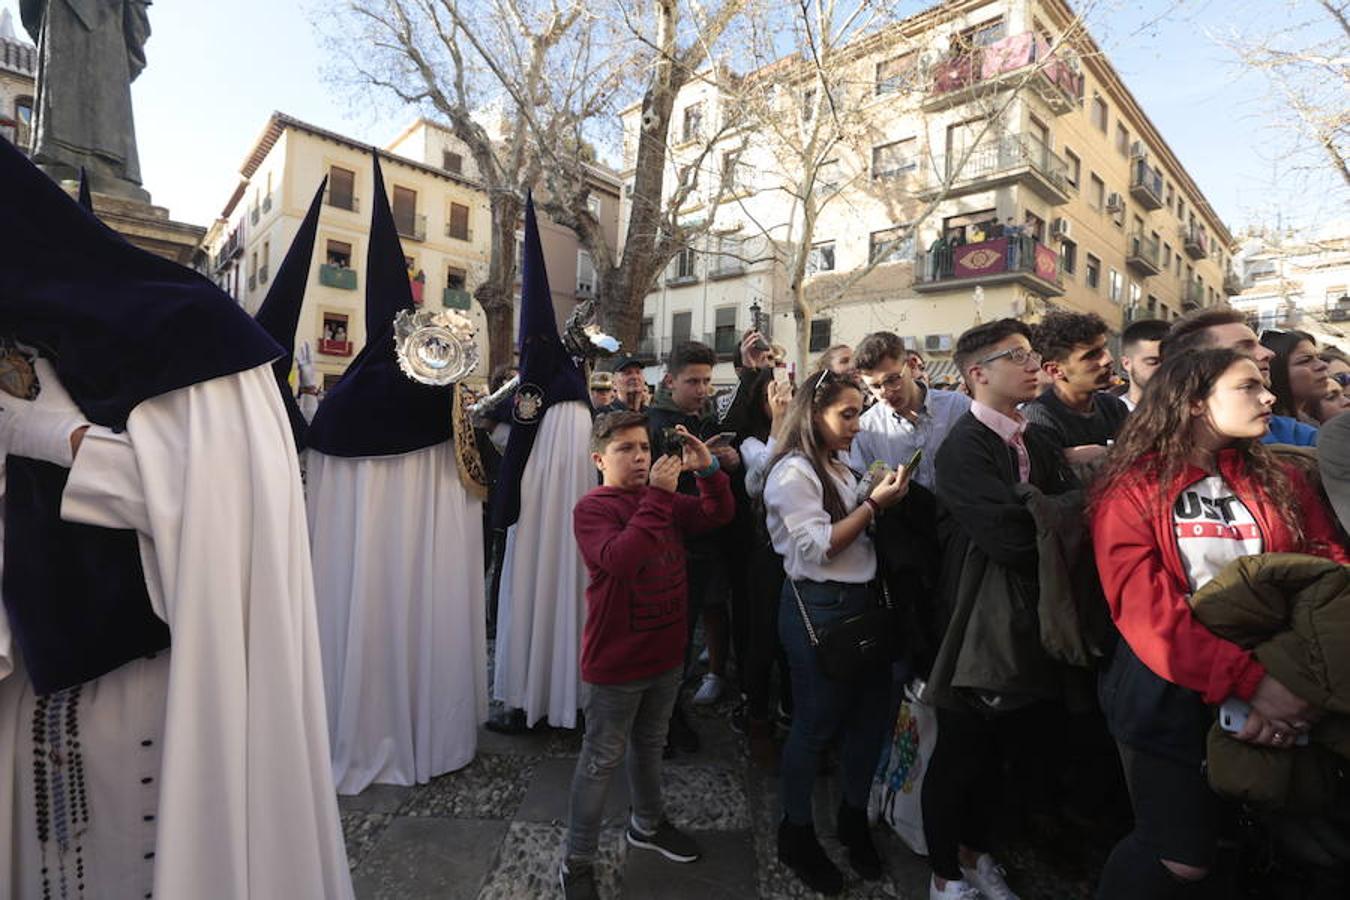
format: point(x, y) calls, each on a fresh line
point(529, 404)
point(18, 378)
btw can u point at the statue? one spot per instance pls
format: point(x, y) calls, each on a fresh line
point(89, 52)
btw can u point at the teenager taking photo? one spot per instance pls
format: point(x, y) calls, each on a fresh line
point(1189, 488)
point(819, 526)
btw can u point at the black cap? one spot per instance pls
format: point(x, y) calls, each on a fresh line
point(623, 362)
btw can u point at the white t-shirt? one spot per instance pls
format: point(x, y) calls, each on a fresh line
point(800, 527)
point(1213, 528)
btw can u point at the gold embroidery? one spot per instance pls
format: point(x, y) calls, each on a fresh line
point(467, 459)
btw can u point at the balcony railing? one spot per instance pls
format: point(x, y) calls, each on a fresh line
point(960, 78)
point(726, 269)
point(262, 274)
point(253, 282)
point(1020, 158)
point(1022, 260)
point(725, 343)
point(413, 227)
point(1143, 254)
point(455, 298)
point(1192, 295)
point(1232, 284)
point(339, 277)
point(419, 290)
point(254, 215)
point(1146, 184)
point(267, 204)
point(459, 234)
point(335, 348)
point(233, 247)
point(348, 202)
point(1194, 242)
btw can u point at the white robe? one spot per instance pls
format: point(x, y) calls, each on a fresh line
point(240, 798)
point(542, 605)
point(398, 571)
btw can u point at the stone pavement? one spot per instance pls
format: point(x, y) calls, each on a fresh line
point(495, 828)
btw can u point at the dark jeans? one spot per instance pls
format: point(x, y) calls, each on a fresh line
point(621, 719)
point(824, 708)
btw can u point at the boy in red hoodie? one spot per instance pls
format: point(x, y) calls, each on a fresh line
point(631, 532)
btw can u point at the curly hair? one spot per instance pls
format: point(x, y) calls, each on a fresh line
point(1059, 332)
point(1156, 442)
point(876, 348)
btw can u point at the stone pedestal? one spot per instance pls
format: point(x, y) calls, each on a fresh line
point(148, 227)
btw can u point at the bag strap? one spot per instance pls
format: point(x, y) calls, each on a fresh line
point(806, 620)
point(885, 592)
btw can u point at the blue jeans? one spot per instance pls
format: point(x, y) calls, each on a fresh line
point(823, 709)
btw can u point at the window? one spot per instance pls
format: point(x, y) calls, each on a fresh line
point(1097, 193)
point(452, 162)
point(1068, 256)
point(1334, 294)
point(686, 264)
point(1136, 293)
point(593, 204)
point(728, 255)
point(827, 177)
point(1094, 272)
point(1122, 140)
point(821, 258)
point(984, 34)
point(1074, 165)
point(23, 121)
point(808, 104)
point(585, 274)
point(1099, 114)
point(335, 327)
point(820, 335)
point(895, 73)
point(341, 188)
point(725, 338)
point(890, 160)
point(458, 226)
point(1118, 213)
point(1114, 284)
point(404, 208)
point(266, 260)
point(1171, 196)
point(681, 328)
point(252, 266)
point(339, 253)
point(891, 245)
point(1181, 210)
point(1152, 306)
point(693, 122)
point(731, 172)
point(646, 337)
point(456, 279)
point(1166, 256)
point(971, 228)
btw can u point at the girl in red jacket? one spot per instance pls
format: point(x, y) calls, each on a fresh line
point(1188, 489)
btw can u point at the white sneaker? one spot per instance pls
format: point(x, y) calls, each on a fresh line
point(710, 690)
point(988, 877)
point(703, 656)
point(955, 890)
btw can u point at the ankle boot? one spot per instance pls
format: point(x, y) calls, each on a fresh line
point(799, 850)
point(856, 835)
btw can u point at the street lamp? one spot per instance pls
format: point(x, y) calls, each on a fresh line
point(755, 313)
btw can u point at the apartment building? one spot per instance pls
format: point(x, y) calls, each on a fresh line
point(1297, 283)
point(1004, 169)
point(18, 73)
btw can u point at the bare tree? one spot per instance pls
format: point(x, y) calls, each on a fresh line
point(423, 53)
point(1306, 60)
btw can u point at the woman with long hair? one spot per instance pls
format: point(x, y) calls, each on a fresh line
point(837, 359)
point(818, 524)
point(1187, 489)
point(1298, 375)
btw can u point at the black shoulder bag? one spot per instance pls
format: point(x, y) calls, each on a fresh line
point(854, 644)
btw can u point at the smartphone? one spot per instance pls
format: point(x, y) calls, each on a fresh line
point(1233, 718)
point(913, 465)
point(780, 374)
point(672, 442)
point(721, 439)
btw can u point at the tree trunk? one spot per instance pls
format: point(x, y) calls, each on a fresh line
point(497, 293)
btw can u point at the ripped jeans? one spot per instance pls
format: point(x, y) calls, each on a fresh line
point(621, 719)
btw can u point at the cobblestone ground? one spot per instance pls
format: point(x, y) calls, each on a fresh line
point(494, 830)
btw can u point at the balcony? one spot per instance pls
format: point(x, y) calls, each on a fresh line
point(349, 202)
point(1019, 260)
point(1004, 64)
point(1143, 255)
point(1232, 284)
point(419, 290)
point(1010, 159)
point(725, 343)
point(267, 204)
point(413, 227)
point(254, 215)
point(459, 234)
point(262, 274)
point(1192, 295)
point(455, 298)
point(339, 277)
point(1194, 242)
point(253, 282)
point(727, 269)
point(335, 348)
point(232, 248)
point(1146, 185)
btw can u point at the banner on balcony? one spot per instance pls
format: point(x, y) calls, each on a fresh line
point(984, 258)
point(1047, 263)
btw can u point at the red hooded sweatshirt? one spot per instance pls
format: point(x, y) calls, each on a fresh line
point(637, 597)
point(1145, 580)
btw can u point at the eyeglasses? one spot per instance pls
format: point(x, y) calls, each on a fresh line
point(895, 379)
point(1342, 378)
point(1019, 356)
point(826, 378)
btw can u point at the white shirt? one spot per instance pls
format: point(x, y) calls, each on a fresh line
point(892, 438)
point(800, 527)
point(1213, 528)
point(1129, 404)
point(755, 456)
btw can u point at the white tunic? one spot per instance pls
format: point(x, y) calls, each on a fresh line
point(398, 571)
point(228, 728)
point(542, 605)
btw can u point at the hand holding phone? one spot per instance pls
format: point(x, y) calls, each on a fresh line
point(721, 439)
point(908, 469)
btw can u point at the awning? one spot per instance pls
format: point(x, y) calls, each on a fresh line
point(941, 371)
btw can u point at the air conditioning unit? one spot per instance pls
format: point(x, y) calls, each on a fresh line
point(937, 343)
point(911, 341)
point(1115, 203)
point(1061, 228)
point(1138, 150)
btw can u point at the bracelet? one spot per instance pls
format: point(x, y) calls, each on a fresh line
point(709, 472)
point(875, 506)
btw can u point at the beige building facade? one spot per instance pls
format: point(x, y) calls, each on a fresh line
point(18, 72)
point(1006, 170)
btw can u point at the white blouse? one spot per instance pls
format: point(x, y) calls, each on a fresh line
point(800, 527)
point(755, 456)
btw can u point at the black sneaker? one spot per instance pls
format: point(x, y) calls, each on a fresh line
point(667, 840)
point(578, 884)
point(511, 721)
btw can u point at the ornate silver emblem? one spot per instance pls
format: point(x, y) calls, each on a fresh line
point(529, 404)
point(435, 347)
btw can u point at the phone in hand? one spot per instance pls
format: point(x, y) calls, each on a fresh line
point(721, 439)
point(780, 374)
point(1233, 718)
point(672, 442)
point(913, 465)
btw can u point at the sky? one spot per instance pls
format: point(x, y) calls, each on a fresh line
point(217, 70)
